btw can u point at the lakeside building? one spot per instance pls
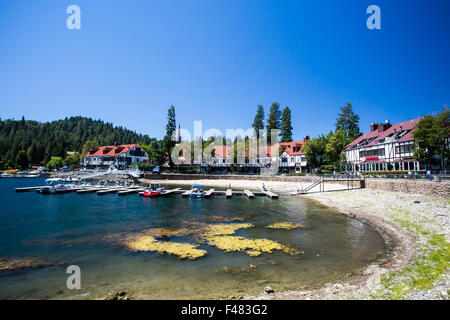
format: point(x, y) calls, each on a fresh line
point(292, 158)
point(387, 147)
point(117, 156)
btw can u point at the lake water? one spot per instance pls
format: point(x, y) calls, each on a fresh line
point(85, 230)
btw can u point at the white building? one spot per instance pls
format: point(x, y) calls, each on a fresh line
point(385, 148)
point(292, 158)
point(118, 156)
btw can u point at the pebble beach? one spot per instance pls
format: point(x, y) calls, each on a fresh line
point(415, 228)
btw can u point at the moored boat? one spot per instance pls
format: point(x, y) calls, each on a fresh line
point(196, 191)
point(53, 188)
point(154, 190)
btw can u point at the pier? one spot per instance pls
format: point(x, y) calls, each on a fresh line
point(249, 194)
point(123, 191)
point(209, 193)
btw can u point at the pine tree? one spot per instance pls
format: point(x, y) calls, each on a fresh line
point(286, 126)
point(171, 127)
point(348, 121)
point(171, 122)
point(273, 122)
point(22, 160)
point(258, 122)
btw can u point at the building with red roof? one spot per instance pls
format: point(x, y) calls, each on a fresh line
point(117, 156)
point(387, 147)
point(288, 156)
point(293, 158)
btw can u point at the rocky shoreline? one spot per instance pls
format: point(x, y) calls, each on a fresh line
point(408, 223)
point(414, 227)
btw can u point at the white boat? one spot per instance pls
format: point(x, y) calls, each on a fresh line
point(53, 186)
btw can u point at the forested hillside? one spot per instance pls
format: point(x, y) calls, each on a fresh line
point(41, 141)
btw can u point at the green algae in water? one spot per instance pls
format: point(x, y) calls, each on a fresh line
point(149, 243)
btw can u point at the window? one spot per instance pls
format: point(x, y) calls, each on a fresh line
point(405, 148)
point(371, 153)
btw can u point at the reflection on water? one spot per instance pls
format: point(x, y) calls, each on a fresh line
point(83, 230)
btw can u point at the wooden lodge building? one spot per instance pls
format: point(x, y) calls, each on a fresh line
point(116, 156)
point(293, 158)
point(386, 147)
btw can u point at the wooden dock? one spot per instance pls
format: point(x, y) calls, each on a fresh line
point(130, 191)
point(26, 189)
point(122, 191)
point(249, 194)
point(89, 190)
point(186, 193)
point(171, 191)
point(112, 190)
point(271, 195)
point(209, 193)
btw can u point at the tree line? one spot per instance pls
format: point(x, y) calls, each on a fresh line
point(25, 142)
point(326, 152)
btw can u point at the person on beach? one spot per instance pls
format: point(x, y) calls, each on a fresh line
point(429, 175)
point(409, 175)
point(416, 175)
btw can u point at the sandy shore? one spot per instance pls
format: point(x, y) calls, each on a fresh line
point(414, 227)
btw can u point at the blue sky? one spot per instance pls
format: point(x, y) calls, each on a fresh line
point(217, 60)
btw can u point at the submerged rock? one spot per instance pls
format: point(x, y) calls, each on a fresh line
point(121, 295)
point(225, 219)
point(286, 225)
point(12, 264)
point(234, 271)
point(268, 290)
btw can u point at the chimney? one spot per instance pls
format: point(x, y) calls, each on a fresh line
point(373, 126)
point(305, 138)
point(387, 125)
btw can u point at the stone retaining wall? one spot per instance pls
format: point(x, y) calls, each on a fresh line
point(439, 189)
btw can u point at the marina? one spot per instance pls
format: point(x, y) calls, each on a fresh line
point(122, 191)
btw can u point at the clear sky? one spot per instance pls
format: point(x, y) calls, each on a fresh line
point(216, 60)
